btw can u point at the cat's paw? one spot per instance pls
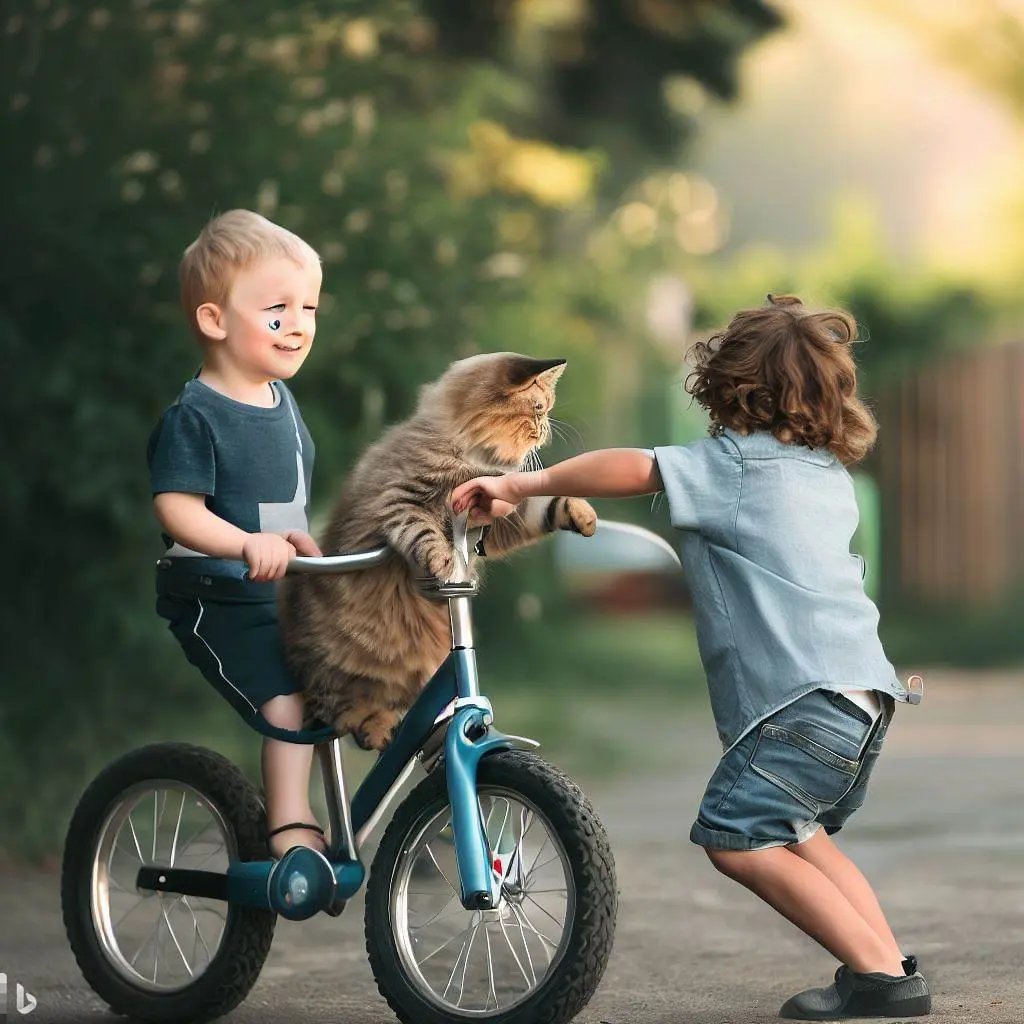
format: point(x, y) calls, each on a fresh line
point(375, 731)
point(441, 564)
point(576, 515)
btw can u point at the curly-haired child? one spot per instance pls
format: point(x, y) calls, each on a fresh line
point(800, 687)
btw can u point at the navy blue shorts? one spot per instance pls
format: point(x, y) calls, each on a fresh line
point(236, 645)
point(803, 768)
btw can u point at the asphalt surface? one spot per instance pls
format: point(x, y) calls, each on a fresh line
point(941, 837)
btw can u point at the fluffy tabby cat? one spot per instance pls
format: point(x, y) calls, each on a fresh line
point(364, 644)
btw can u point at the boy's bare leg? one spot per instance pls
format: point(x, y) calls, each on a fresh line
point(813, 902)
point(821, 851)
point(286, 768)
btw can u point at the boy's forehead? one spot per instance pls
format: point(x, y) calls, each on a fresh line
point(277, 275)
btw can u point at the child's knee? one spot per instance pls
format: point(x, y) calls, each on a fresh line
point(736, 864)
point(285, 711)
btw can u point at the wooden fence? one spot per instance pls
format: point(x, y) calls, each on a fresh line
point(950, 465)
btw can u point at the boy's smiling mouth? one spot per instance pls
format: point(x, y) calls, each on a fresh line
point(287, 348)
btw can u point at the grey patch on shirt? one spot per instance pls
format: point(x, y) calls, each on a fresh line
point(282, 516)
point(275, 516)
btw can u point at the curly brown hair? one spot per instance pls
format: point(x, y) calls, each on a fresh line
point(788, 370)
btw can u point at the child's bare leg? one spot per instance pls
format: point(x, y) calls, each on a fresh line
point(286, 768)
point(821, 851)
point(806, 896)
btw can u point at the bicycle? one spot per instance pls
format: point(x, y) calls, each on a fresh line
point(463, 859)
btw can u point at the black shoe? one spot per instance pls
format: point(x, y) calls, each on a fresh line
point(863, 995)
point(909, 967)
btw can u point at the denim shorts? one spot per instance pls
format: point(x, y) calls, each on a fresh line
point(803, 768)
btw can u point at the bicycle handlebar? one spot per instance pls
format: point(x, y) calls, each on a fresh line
point(339, 563)
point(333, 564)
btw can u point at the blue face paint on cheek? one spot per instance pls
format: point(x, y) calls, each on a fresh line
point(274, 325)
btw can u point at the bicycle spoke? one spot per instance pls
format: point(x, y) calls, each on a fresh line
point(149, 939)
point(545, 941)
point(490, 969)
point(177, 828)
point(195, 836)
point(532, 871)
point(135, 906)
point(496, 845)
point(515, 955)
point(135, 838)
point(448, 942)
point(196, 867)
point(156, 805)
point(526, 820)
point(451, 977)
point(156, 951)
point(113, 883)
point(543, 910)
point(174, 939)
point(533, 866)
point(198, 932)
point(465, 963)
point(431, 920)
point(430, 854)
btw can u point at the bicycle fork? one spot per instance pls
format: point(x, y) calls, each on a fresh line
point(470, 737)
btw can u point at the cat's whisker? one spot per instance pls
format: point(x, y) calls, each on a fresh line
point(563, 436)
point(531, 461)
point(569, 430)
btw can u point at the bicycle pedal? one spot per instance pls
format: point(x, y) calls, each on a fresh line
point(335, 908)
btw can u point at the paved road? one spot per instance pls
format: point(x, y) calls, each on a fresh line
point(941, 838)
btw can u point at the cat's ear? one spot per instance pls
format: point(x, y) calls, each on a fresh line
point(524, 370)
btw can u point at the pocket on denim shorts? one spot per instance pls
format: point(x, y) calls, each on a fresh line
point(805, 768)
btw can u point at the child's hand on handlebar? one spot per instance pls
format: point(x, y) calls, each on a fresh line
point(489, 497)
point(268, 554)
point(303, 543)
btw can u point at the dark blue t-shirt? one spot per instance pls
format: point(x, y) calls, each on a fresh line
point(254, 466)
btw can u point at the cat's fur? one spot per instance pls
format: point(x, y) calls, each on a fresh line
point(364, 644)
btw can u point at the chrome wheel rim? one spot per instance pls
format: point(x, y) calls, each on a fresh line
point(477, 963)
point(159, 942)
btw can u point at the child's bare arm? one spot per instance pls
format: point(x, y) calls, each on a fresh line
point(606, 473)
point(186, 518)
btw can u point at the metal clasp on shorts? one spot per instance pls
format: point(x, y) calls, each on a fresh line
point(915, 689)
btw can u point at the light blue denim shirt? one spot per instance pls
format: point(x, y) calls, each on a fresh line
point(778, 598)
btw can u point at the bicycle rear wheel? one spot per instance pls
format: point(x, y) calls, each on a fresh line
point(164, 957)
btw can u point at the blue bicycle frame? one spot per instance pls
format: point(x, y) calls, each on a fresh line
point(450, 719)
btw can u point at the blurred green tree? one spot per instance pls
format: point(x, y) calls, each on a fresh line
point(125, 127)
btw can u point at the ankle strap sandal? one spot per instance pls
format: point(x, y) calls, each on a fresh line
point(296, 824)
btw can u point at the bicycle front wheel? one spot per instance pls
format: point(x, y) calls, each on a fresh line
point(540, 953)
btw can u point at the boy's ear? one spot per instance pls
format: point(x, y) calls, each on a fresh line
point(209, 317)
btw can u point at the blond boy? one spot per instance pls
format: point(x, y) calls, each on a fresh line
point(230, 466)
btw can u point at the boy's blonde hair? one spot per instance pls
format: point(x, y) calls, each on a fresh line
point(788, 370)
point(231, 242)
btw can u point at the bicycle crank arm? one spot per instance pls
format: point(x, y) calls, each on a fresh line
point(300, 884)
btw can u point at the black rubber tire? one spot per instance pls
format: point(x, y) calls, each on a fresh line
point(248, 931)
point(570, 816)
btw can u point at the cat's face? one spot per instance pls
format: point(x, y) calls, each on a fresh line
point(498, 401)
